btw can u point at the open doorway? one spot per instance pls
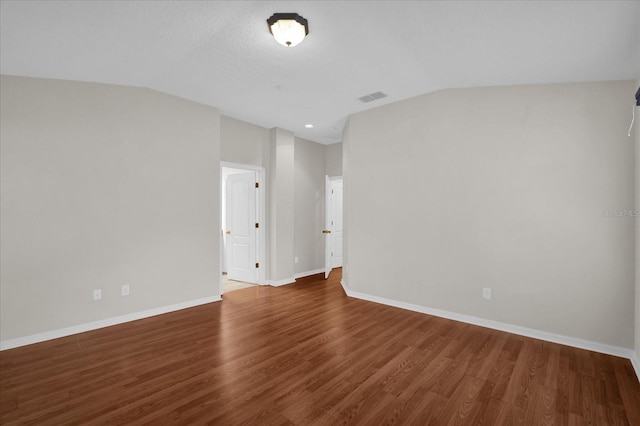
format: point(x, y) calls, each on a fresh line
point(333, 224)
point(242, 224)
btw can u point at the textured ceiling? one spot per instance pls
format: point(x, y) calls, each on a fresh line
point(221, 53)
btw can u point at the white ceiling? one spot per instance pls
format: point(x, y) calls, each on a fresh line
point(221, 53)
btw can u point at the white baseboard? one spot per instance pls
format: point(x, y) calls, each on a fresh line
point(509, 328)
point(308, 273)
point(278, 283)
point(635, 361)
point(81, 328)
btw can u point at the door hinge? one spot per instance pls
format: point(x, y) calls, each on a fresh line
point(332, 191)
point(257, 265)
point(257, 225)
point(257, 184)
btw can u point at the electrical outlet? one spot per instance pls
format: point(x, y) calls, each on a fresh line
point(295, 259)
point(97, 294)
point(124, 290)
point(486, 293)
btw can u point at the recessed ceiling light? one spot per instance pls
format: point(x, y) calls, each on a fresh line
point(309, 126)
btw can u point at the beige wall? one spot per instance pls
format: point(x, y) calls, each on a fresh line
point(346, 194)
point(102, 186)
point(501, 187)
point(309, 185)
point(281, 215)
point(243, 143)
point(333, 159)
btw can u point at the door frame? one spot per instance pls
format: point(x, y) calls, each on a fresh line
point(260, 218)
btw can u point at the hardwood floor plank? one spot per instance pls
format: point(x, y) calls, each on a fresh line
point(305, 354)
point(496, 412)
point(629, 389)
point(466, 402)
point(541, 409)
point(426, 406)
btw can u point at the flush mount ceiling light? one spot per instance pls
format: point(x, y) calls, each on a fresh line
point(288, 29)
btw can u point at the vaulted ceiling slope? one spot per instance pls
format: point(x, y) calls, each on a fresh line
point(220, 53)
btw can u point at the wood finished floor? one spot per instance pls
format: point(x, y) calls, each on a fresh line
point(307, 354)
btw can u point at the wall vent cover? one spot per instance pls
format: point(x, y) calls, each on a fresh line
point(372, 97)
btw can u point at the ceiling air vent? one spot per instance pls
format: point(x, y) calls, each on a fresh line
point(372, 97)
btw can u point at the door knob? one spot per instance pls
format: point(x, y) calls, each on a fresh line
point(228, 232)
point(326, 231)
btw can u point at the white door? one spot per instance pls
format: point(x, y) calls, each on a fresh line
point(336, 224)
point(241, 227)
point(327, 226)
point(333, 225)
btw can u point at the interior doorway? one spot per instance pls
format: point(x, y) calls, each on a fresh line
point(242, 224)
point(333, 224)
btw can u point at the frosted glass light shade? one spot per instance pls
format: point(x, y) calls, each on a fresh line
point(289, 29)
